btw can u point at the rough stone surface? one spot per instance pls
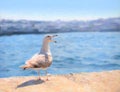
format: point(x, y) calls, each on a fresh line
point(108, 81)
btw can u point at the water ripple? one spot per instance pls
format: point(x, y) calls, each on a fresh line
point(74, 52)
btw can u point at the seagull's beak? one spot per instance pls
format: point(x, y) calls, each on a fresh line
point(53, 37)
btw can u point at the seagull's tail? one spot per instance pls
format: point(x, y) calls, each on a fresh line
point(24, 67)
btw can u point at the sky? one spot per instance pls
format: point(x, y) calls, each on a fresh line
point(59, 9)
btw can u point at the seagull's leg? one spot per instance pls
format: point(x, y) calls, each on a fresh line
point(46, 74)
point(39, 75)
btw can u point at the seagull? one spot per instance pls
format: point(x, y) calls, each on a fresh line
point(43, 59)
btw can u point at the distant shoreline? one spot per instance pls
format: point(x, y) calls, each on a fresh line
point(11, 27)
point(22, 33)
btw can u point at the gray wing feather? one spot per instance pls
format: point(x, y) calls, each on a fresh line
point(38, 60)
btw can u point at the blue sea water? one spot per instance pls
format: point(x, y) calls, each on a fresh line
point(73, 53)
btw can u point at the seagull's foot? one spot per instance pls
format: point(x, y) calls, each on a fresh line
point(39, 78)
point(47, 79)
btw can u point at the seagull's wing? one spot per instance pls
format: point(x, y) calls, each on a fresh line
point(37, 61)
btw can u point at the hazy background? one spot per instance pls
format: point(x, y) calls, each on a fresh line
point(91, 44)
point(59, 9)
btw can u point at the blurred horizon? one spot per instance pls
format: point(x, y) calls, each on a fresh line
point(94, 19)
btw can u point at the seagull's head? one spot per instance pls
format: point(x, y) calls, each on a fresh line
point(49, 38)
